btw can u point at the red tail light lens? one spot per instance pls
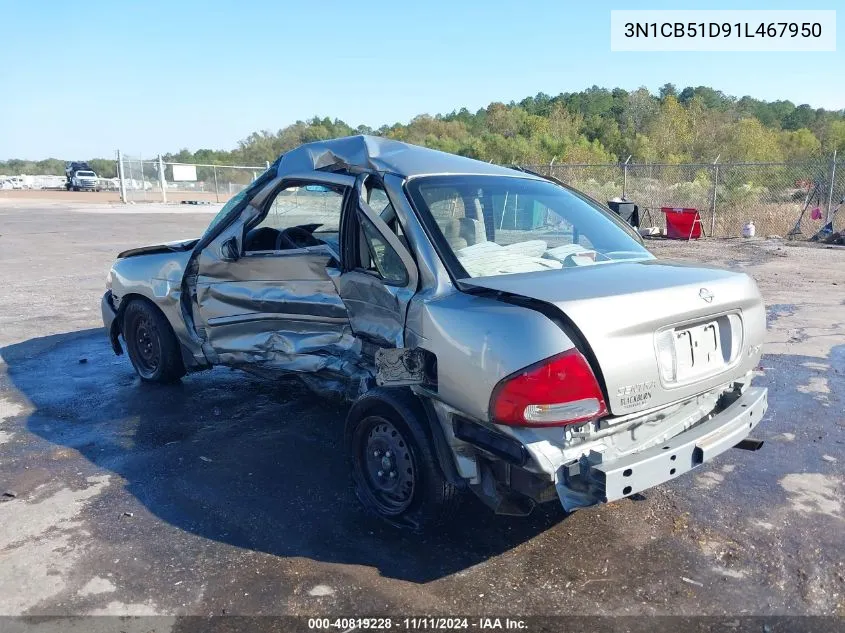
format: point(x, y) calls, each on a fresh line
point(557, 391)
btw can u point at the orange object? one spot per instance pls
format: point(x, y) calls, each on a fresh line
point(682, 223)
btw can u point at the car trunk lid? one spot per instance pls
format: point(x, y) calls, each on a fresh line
point(660, 331)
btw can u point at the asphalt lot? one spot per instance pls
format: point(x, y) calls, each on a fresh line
point(226, 494)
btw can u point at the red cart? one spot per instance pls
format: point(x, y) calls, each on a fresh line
point(682, 223)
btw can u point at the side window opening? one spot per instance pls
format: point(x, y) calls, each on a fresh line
point(377, 255)
point(299, 216)
point(380, 257)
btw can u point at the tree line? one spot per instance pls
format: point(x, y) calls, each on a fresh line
point(596, 125)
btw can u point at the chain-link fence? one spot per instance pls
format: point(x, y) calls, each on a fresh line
point(727, 195)
point(156, 180)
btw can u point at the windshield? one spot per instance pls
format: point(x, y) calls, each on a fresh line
point(86, 173)
point(495, 225)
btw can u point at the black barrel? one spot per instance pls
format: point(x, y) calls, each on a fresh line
point(626, 210)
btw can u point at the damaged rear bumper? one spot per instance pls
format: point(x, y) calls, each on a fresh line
point(592, 481)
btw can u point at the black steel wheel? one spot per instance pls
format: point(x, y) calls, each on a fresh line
point(151, 343)
point(394, 468)
point(387, 466)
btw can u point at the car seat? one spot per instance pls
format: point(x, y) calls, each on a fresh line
point(451, 229)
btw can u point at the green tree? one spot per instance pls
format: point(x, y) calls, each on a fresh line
point(749, 141)
point(800, 144)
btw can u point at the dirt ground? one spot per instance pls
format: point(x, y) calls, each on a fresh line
point(228, 495)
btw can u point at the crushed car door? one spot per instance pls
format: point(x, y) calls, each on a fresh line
point(379, 275)
point(264, 296)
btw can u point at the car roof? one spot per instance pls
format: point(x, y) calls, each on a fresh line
point(374, 153)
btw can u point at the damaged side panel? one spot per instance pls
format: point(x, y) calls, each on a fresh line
point(275, 311)
point(302, 346)
point(232, 301)
point(374, 310)
point(294, 310)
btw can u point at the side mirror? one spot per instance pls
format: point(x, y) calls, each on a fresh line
point(229, 250)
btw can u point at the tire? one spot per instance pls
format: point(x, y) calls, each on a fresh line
point(151, 343)
point(390, 435)
point(76, 188)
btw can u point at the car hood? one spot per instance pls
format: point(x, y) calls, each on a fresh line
point(621, 308)
point(168, 247)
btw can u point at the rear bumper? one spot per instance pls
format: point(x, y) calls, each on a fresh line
point(596, 481)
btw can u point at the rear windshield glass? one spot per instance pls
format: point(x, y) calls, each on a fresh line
point(494, 225)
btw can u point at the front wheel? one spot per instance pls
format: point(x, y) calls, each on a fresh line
point(394, 471)
point(151, 343)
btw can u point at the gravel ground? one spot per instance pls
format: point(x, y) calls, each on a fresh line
point(225, 494)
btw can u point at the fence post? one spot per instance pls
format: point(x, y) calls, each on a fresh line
point(161, 180)
point(120, 177)
point(830, 188)
point(713, 201)
point(625, 177)
point(216, 190)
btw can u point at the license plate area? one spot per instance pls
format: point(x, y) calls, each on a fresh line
point(698, 350)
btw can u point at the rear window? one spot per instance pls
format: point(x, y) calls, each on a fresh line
point(494, 225)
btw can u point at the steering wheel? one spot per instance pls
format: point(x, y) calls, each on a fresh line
point(295, 237)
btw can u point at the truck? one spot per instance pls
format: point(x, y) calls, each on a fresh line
point(80, 177)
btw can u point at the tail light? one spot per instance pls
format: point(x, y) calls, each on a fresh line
point(557, 391)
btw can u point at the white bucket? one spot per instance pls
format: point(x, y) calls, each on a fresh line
point(749, 230)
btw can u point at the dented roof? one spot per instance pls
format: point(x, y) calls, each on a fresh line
point(384, 155)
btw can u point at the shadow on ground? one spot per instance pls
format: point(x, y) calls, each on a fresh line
point(228, 457)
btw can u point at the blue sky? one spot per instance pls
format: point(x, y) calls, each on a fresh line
point(83, 79)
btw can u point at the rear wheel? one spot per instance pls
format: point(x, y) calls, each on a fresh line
point(151, 343)
point(394, 470)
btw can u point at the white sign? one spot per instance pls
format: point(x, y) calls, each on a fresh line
point(184, 172)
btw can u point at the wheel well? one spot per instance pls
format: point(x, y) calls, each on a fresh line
point(401, 401)
point(117, 324)
point(125, 300)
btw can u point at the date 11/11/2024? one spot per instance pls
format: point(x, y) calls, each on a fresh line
point(417, 623)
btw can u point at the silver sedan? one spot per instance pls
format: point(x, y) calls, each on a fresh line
point(494, 331)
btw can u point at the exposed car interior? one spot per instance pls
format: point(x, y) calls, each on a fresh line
point(318, 202)
point(297, 217)
point(268, 238)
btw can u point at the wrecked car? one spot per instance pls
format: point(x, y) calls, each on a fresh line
point(494, 331)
